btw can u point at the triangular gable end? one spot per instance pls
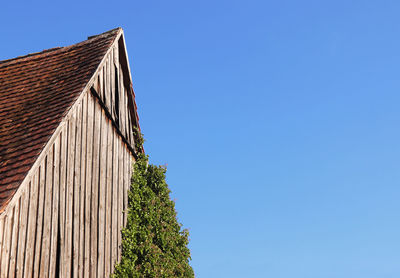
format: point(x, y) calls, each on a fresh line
point(117, 99)
point(64, 187)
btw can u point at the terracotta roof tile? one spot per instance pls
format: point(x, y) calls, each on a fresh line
point(36, 91)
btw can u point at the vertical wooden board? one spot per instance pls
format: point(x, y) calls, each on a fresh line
point(121, 103)
point(69, 198)
point(125, 192)
point(132, 139)
point(128, 129)
point(2, 232)
point(76, 187)
point(102, 192)
point(96, 84)
point(14, 240)
point(126, 116)
point(95, 187)
point(100, 90)
point(31, 229)
point(123, 112)
point(112, 84)
point(114, 192)
point(82, 189)
point(108, 207)
point(88, 182)
point(126, 113)
point(104, 74)
point(5, 252)
point(48, 195)
point(55, 207)
point(121, 93)
point(23, 220)
point(107, 83)
point(120, 194)
point(2, 219)
point(116, 79)
point(39, 221)
point(116, 58)
point(62, 195)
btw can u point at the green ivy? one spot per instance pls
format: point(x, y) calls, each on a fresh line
point(153, 243)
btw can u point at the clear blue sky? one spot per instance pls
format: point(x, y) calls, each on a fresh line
point(279, 122)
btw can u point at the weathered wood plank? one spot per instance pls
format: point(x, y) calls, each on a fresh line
point(101, 82)
point(82, 189)
point(117, 82)
point(108, 102)
point(126, 115)
point(2, 232)
point(95, 188)
point(55, 207)
point(114, 192)
point(48, 194)
point(88, 182)
point(123, 110)
point(23, 220)
point(14, 238)
point(5, 256)
point(104, 79)
point(108, 206)
point(121, 96)
point(96, 84)
point(31, 230)
point(125, 193)
point(111, 83)
point(76, 187)
point(105, 123)
point(39, 221)
point(62, 196)
point(120, 194)
point(69, 198)
point(128, 128)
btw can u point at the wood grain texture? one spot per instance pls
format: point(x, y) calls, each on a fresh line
point(5, 252)
point(23, 220)
point(31, 230)
point(47, 209)
point(69, 196)
point(102, 185)
point(108, 205)
point(39, 220)
point(55, 208)
point(62, 195)
point(81, 227)
point(88, 183)
point(76, 188)
point(66, 221)
point(14, 241)
point(114, 193)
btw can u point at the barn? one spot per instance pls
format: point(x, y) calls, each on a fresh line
point(68, 123)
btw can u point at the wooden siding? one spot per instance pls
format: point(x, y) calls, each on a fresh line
point(66, 220)
point(110, 86)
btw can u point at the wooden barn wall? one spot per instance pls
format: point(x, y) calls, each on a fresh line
point(113, 92)
point(67, 220)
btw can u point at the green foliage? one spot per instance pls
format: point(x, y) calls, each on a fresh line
point(138, 140)
point(153, 243)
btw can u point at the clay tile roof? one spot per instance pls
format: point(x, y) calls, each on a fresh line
point(36, 91)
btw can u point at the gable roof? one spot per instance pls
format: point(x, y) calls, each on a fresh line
point(36, 92)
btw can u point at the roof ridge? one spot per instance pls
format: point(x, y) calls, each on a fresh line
point(104, 33)
point(50, 51)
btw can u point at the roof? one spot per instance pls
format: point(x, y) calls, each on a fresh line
point(36, 92)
